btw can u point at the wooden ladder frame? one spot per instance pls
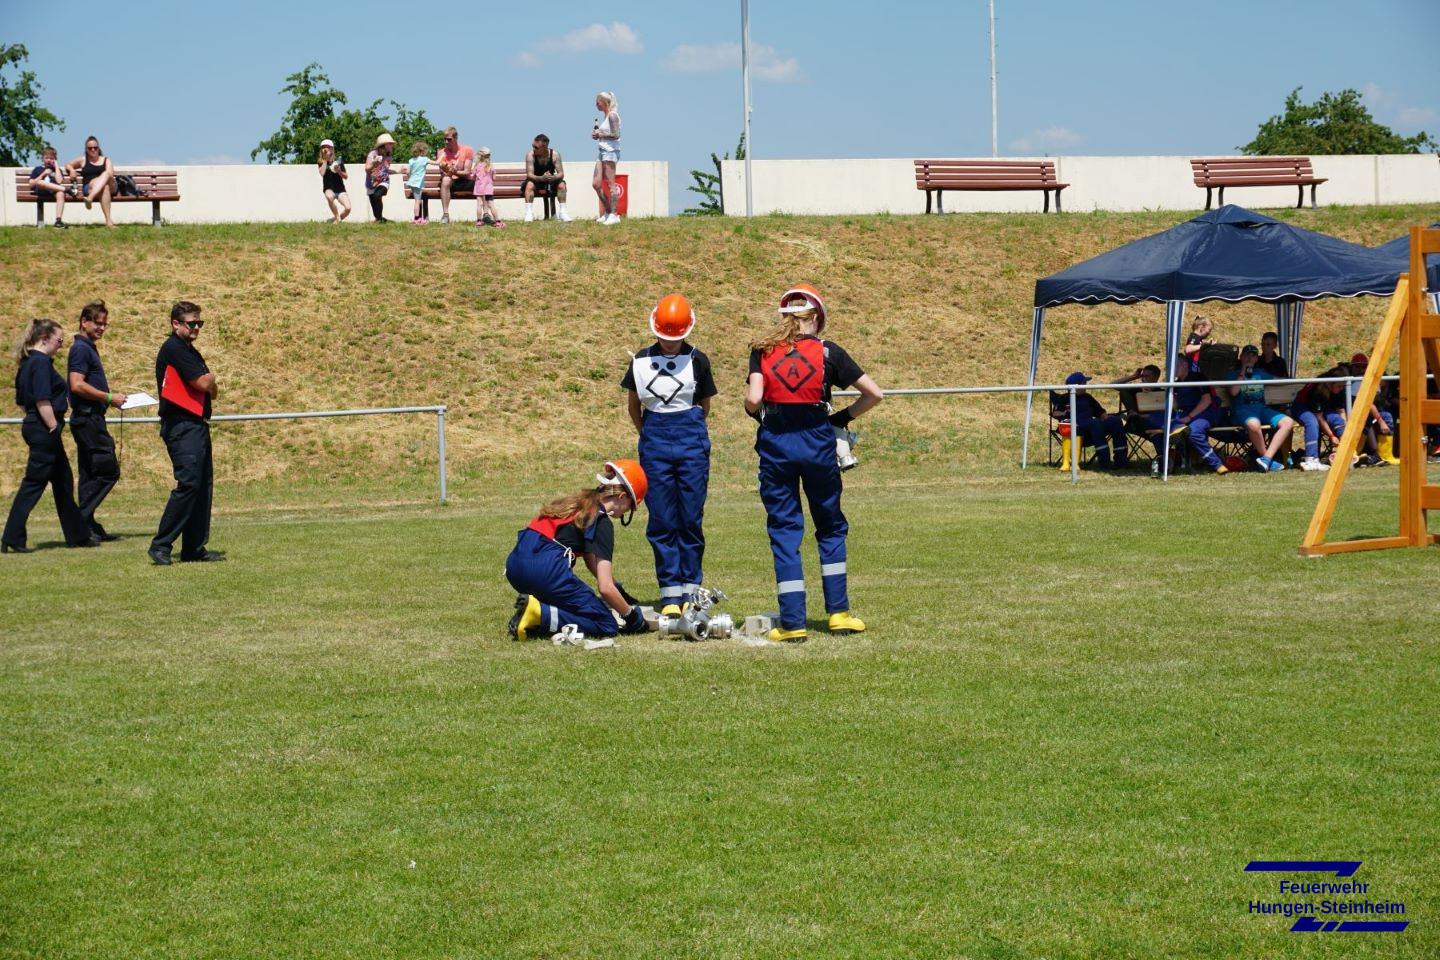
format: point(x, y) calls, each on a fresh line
point(1409, 320)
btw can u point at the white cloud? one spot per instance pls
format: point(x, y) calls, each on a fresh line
point(765, 61)
point(1048, 140)
point(526, 59)
point(1390, 108)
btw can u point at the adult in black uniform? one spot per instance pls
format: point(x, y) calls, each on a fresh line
point(186, 387)
point(90, 397)
point(41, 391)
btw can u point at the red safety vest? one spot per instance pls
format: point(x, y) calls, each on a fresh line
point(546, 526)
point(794, 373)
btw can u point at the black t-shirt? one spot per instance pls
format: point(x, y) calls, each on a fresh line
point(44, 173)
point(841, 371)
point(1275, 366)
point(187, 362)
point(598, 540)
point(38, 380)
point(84, 359)
point(677, 393)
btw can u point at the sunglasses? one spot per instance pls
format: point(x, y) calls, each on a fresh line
point(193, 324)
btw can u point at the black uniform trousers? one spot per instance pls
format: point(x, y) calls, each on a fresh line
point(98, 467)
point(187, 514)
point(47, 464)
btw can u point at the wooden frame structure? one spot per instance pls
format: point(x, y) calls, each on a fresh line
point(1410, 321)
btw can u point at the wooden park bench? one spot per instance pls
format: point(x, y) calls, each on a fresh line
point(509, 185)
point(155, 187)
point(937, 176)
point(1217, 173)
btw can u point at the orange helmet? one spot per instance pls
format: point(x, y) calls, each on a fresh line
point(626, 473)
point(673, 318)
point(811, 295)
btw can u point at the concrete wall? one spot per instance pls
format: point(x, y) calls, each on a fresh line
point(286, 193)
point(1096, 183)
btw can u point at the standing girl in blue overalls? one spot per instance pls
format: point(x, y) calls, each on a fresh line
point(670, 385)
point(540, 566)
point(792, 373)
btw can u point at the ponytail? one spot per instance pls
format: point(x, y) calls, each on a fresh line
point(37, 330)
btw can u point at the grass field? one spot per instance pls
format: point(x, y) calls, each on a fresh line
point(1078, 714)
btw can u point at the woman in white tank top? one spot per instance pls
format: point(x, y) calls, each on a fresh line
point(607, 135)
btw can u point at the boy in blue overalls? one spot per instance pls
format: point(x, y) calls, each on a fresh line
point(670, 385)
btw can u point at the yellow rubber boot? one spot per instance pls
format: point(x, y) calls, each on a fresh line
point(781, 635)
point(670, 610)
point(526, 618)
point(1065, 444)
point(845, 622)
point(1386, 443)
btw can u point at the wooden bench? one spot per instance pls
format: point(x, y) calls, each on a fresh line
point(937, 176)
point(509, 185)
point(1217, 173)
point(155, 186)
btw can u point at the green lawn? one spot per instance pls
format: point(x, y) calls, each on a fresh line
point(1077, 715)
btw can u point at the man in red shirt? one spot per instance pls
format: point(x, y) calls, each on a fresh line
point(456, 162)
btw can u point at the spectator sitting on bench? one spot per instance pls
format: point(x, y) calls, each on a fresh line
point(1249, 411)
point(1200, 336)
point(544, 177)
point(1335, 416)
point(1094, 425)
point(97, 177)
point(1309, 409)
point(1149, 373)
point(456, 162)
point(49, 178)
point(1270, 360)
point(1199, 410)
point(1383, 446)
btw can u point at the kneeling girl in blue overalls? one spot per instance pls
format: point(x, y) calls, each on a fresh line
point(792, 373)
point(540, 566)
point(670, 385)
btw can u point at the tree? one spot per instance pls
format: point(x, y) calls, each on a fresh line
point(708, 185)
point(313, 116)
point(1337, 123)
point(23, 121)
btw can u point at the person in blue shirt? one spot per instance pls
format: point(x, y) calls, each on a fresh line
point(1248, 410)
point(1100, 429)
point(91, 396)
point(48, 180)
point(41, 391)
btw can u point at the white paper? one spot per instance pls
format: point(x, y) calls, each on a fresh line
point(138, 400)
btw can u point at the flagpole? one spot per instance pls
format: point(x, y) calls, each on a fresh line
point(745, 76)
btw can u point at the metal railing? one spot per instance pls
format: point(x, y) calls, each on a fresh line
point(1074, 389)
point(439, 412)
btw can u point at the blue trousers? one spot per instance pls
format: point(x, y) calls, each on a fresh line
point(1199, 438)
point(1311, 425)
point(540, 567)
point(675, 454)
point(789, 460)
point(1095, 430)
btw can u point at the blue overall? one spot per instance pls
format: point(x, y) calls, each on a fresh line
point(541, 567)
point(789, 459)
point(675, 454)
point(1186, 400)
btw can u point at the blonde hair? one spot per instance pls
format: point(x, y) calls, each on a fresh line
point(583, 506)
point(419, 149)
point(609, 98)
point(37, 330)
point(786, 332)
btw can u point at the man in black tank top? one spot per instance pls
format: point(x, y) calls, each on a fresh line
point(544, 175)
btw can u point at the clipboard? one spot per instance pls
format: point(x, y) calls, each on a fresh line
point(175, 390)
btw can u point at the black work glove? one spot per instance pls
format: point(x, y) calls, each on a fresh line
point(634, 621)
point(842, 418)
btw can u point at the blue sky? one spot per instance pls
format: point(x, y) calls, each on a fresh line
point(833, 79)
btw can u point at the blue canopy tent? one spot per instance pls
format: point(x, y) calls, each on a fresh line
point(1399, 249)
point(1229, 254)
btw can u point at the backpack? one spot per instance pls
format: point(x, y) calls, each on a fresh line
point(125, 186)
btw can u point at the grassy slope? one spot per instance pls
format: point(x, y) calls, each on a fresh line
point(1078, 714)
point(512, 328)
